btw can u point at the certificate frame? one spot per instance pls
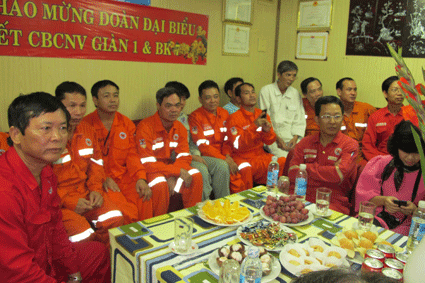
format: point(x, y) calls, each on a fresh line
point(312, 45)
point(238, 11)
point(236, 39)
point(314, 15)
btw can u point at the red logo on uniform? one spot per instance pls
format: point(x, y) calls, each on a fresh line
point(176, 137)
point(123, 135)
point(234, 131)
point(194, 130)
point(142, 143)
point(88, 142)
point(338, 151)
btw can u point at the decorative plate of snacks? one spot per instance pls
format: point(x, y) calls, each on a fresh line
point(238, 252)
point(224, 213)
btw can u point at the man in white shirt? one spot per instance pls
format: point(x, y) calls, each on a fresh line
point(284, 105)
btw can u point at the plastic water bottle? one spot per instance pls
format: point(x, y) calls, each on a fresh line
point(251, 268)
point(301, 182)
point(417, 228)
point(272, 174)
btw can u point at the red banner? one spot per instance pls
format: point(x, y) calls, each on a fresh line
point(107, 30)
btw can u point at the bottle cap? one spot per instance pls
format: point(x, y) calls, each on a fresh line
point(421, 204)
point(274, 158)
point(303, 166)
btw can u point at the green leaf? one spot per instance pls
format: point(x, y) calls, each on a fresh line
point(420, 149)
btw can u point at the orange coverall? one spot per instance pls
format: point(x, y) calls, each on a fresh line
point(3, 142)
point(80, 171)
point(164, 154)
point(312, 127)
point(209, 132)
point(122, 163)
point(248, 146)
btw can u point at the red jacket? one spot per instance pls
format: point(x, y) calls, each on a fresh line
point(355, 125)
point(311, 127)
point(32, 234)
point(3, 142)
point(80, 168)
point(209, 132)
point(119, 151)
point(161, 151)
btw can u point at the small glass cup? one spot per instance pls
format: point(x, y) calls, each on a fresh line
point(323, 199)
point(183, 228)
point(366, 214)
point(230, 272)
point(283, 184)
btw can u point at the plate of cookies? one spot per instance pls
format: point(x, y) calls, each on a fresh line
point(312, 255)
point(238, 252)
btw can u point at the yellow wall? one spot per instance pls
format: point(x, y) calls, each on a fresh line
point(369, 72)
point(139, 81)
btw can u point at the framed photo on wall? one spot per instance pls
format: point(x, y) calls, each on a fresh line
point(236, 39)
point(315, 14)
point(239, 11)
point(312, 45)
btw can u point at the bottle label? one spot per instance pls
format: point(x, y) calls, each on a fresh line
point(242, 280)
point(272, 177)
point(301, 186)
point(419, 233)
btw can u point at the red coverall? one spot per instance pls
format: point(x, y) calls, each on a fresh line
point(122, 163)
point(34, 244)
point(380, 127)
point(248, 146)
point(164, 154)
point(209, 132)
point(321, 168)
point(80, 171)
point(312, 127)
point(3, 142)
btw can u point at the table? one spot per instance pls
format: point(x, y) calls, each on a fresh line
point(140, 250)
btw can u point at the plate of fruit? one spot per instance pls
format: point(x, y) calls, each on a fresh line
point(270, 265)
point(287, 210)
point(272, 236)
point(224, 213)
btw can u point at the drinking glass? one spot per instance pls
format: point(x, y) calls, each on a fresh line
point(183, 228)
point(229, 272)
point(323, 198)
point(366, 214)
point(283, 184)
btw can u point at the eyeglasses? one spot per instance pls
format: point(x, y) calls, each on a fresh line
point(395, 89)
point(337, 117)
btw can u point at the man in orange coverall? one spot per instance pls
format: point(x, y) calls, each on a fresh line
point(312, 90)
point(81, 175)
point(209, 132)
point(121, 160)
point(3, 143)
point(164, 150)
point(356, 114)
point(34, 244)
point(248, 130)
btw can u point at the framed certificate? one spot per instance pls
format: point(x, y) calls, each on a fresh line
point(312, 45)
point(315, 14)
point(237, 11)
point(236, 39)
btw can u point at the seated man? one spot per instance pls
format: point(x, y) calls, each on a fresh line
point(4, 146)
point(209, 131)
point(312, 90)
point(248, 129)
point(381, 124)
point(283, 103)
point(164, 149)
point(81, 175)
point(356, 114)
point(215, 175)
point(121, 160)
point(329, 155)
point(34, 244)
point(229, 88)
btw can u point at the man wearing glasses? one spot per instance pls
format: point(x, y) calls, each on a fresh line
point(329, 155)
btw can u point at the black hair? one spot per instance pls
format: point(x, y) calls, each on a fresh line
point(25, 107)
point(239, 87)
point(101, 84)
point(402, 138)
point(324, 100)
point(340, 83)
point(206, 85)
point(286, 66)
point(164, 93)
point(386, 84)
point(304, 83)
point(230, 83)
point(181, 89)
point(69, 87)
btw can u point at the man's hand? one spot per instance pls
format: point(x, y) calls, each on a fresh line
point(233, 167)
point(187, 179)
point(280, 143)
point(83, 206)
point(199, 159)
point(143, 190)
point(408, 209)
point(73, 276)
point(171, 182)
point(390, 205)
point(262, 122)
point(110, 184)
point(96, 199)
point(291, 144)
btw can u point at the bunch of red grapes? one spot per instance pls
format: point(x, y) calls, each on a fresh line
point(285, 209)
